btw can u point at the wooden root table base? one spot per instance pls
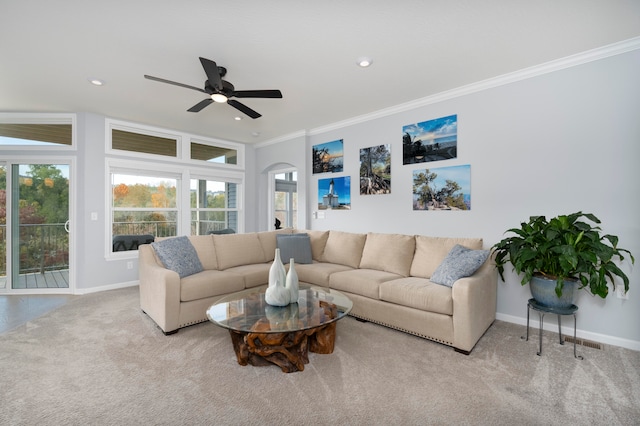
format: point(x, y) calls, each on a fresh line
point(289, 351)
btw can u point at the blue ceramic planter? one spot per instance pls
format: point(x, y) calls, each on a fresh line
point(544, 291)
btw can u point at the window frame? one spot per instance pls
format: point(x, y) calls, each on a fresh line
point(41, 118)
point(239, 199)
point(183, 145)
point(272, 193)
point(183, 201)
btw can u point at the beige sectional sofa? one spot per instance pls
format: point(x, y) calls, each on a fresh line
point(387, 276)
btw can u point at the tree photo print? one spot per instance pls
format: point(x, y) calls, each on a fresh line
point(444, 188)
point(431, 140)
point(328, 157)
point(375, 170)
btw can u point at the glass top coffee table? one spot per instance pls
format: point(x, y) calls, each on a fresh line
point(265, 335)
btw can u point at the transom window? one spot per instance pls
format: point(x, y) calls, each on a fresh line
point(143, 143)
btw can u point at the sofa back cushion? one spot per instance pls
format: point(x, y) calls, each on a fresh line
point(238, 249)
point(268, 242)
point(431, 251)
point(206, 251)
point(318, 242)
point(389, 253)
point(344, 248)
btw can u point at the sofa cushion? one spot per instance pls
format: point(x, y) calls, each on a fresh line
point(268, 242)
point(208, 284)
point(318, 273)
point(431, 251)
point(344, 248)
point(254, 275)
point(388, 252)
point(294, 246)
point(460, 262)
point(318, 242)
point(238, 249)
point(418, 293)
point(178, 255)
point(206, 250)
point(364, 282)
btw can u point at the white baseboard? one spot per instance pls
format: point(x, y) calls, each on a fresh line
point(116, 286)
point(567, 329)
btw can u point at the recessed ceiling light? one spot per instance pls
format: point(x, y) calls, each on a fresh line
point(237, 118)
point(96, 82)
point(255, 134)
point(364, 61)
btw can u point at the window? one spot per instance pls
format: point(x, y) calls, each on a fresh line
point(137, 141)
point(286, 199)
point(142, 206)
point(37, 131)
point(214, 206)
point(213, 154)
point(143, 143)
point(171, 184)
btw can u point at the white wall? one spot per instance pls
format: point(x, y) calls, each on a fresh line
point(552, 144)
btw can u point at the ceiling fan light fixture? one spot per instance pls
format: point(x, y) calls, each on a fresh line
point(364, 61)
point(219, 97)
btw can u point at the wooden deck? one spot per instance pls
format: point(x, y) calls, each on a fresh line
point(50, 279)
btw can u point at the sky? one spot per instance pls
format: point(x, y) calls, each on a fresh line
point(432, 129)
point(459, 174)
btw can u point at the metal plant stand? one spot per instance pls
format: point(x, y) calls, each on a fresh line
point(542, 310)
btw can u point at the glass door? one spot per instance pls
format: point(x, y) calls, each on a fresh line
point(35, 234)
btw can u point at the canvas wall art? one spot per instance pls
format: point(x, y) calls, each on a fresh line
point(431, 140)
point(443, 188)
point(375, 170)
point(334, 193)
point(328, 157)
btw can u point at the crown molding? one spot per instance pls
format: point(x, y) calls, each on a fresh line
point(283, 138)
point(531, 72)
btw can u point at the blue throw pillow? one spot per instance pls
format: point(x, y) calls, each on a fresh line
point(294, 246)
point(179, 255)
point(460, 262)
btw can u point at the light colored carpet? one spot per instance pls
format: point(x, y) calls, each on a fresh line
point(100, 360)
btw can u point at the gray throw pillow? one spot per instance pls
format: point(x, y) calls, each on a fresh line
point(294, 246)
point(179, 255)
point(460, 262)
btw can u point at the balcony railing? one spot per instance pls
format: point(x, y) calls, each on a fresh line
point(45, 247)
point(42, 247)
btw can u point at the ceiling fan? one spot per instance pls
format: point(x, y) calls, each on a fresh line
point(220, 90)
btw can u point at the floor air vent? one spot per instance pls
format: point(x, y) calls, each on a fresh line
point(583, 342)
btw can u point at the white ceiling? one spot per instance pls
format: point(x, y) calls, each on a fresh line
point(307, 49)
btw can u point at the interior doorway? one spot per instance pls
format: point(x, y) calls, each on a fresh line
point(284, 211)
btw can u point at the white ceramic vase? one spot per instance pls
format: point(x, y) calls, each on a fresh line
point(291, 282)
point(277, 294)
point(277, 271)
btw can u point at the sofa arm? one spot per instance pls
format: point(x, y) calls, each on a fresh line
point(474, 306)
point(159, 290)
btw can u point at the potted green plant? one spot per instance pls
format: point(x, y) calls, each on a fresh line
point(563, 253)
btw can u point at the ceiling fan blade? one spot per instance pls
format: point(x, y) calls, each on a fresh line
point(257, 94)
point(213, 75)
point(243, 108)
point(162, 80)
point(200, 105)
